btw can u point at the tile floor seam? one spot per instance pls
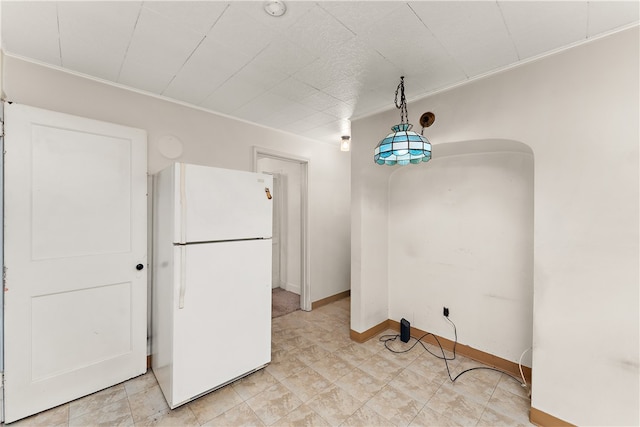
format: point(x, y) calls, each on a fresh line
point(492, 393)
point(250, 408)
point(417, 413)
point(501, 411)
point(130, 410)
point(424, 405)
point(355, 397)
point(480, 419)
point(324, 419)
point(81, 414)
point(192, 414)
point(431, 398)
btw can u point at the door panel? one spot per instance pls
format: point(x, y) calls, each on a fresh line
point(80, 313)
point(75, 221)
point(67, 168)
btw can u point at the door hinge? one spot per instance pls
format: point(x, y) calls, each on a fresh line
point(1, 128)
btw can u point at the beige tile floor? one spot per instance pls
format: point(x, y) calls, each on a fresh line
point(317, 377)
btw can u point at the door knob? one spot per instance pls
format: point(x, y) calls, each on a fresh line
point(139, 267)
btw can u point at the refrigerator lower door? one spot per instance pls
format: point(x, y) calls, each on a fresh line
point(223, 330)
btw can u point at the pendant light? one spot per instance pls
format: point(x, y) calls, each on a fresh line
point(402, 146)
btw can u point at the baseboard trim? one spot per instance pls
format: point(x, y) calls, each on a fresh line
point(291, 288)
point(329, 300)
point(369, 333)
point(149, 362)
point(461, 349)
point(540, 418)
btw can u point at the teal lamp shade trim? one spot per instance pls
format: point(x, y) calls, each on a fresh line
point(402, 147)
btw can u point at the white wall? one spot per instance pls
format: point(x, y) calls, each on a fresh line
point(579, 112)
point(208, 139)
point(369, 245)
point(461, 236)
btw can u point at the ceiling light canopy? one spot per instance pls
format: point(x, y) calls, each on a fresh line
point(402, 146)
point(275, 7)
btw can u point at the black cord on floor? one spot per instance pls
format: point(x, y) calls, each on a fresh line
point(388, 338)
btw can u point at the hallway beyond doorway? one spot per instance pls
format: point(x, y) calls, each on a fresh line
point(283, 302)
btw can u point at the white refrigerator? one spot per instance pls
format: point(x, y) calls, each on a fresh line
point(211, 299)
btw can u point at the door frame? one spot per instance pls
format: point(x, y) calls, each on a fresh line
point(2, 261)
point(277, 208)
point(305, 282)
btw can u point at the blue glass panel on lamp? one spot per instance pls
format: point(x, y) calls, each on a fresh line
point(402, 147)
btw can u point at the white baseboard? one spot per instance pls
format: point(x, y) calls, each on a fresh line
point(292, 288)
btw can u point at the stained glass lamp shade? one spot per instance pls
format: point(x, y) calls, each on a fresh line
point(403, 146)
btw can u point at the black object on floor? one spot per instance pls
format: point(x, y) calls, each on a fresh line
point(405, 330)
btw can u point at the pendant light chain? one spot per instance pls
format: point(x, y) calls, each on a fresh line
point(404, 116)
point(403, 146)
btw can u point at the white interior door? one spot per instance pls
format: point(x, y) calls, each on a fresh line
point(75, 221)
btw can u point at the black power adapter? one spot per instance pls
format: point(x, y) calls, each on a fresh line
point(405, 330)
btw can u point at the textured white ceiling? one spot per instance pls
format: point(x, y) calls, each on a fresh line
point(310, 71)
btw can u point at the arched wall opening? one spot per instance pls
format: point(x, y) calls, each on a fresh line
point(460, 235)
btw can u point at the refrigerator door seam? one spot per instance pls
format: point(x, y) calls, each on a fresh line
point(208, 242)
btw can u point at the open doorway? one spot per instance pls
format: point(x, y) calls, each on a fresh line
point(290, 279)
point(285, 269)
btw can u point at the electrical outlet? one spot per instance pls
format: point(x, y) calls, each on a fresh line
point(445, 311)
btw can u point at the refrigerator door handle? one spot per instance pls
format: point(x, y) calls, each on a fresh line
point(183, 204)
point(183, 279)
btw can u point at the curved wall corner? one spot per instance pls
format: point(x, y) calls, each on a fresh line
point(460, 232)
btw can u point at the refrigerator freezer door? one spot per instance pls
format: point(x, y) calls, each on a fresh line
point(224, 329)
point(222, 204)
